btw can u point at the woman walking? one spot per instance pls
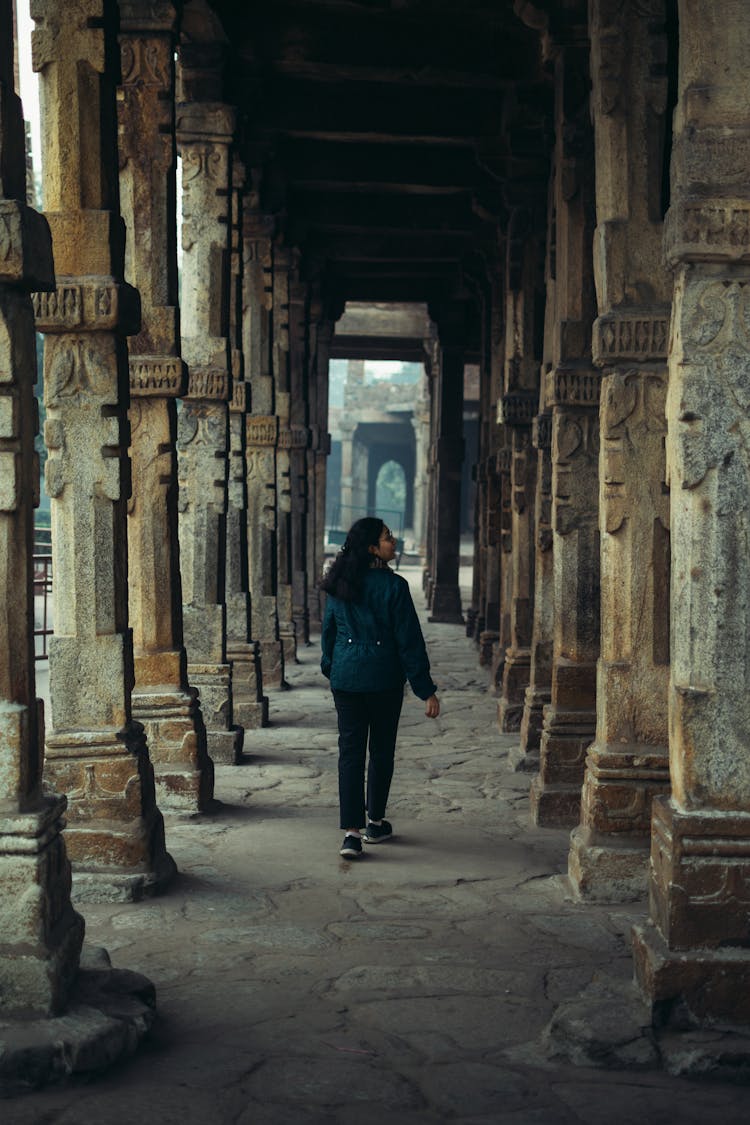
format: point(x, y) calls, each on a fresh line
point(372, 643)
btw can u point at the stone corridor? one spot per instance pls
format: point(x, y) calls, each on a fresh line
point(431, 981)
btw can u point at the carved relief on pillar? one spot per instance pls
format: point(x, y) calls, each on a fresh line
point(96, 753)
point(502, 532)
point(262, 436)
point(570, 718)
point(41, 935)
point(627, 765)
point(202, 447)
point(516, 673)
point(526, 757)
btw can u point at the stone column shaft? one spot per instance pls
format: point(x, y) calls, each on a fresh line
point(162, 698)
point(693, 957)
point(261, 435)
point(572, 392)
point(449, 453)
point(96, 753)
point(204, 135)
point(249, 705)
point(627, 764)
point(526, 757)
point(41, 936)
point(299, 446)
point(284, 480)
point(516, 672)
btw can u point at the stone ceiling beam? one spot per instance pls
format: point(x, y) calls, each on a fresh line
point(371, 110)
point(378, 348)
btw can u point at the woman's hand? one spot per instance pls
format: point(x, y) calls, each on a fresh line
point(432, 707)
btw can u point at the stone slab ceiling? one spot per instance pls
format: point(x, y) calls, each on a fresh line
point(388, 132)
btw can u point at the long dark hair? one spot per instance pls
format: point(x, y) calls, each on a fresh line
point(344, 577)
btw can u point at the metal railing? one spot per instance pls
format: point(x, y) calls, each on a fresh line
point(42, 604)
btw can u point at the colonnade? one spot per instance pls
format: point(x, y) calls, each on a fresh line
point(618, 640)
point(187, 437)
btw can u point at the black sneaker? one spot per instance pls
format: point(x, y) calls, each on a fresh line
point(351, 847)
point(376, 833)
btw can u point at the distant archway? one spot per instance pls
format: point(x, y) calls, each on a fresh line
point(391, 492)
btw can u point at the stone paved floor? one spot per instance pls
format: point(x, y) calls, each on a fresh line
point(295, 988)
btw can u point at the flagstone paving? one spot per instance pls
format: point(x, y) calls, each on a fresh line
point(410, 986)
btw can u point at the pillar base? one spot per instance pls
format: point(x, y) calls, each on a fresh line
point(249, 705)
point(487, 639)
point(272, 657)
point(214, 685)
point(225, 746)
point(554, 806)
point(516, 673)
point(251, 714)
point(288, 642)
point(691, 987)
point(115, 833)
point(446, 605)
point(525, 756)
point(41, 936)
point(471, 617)
point(109, 1013)
point(556, 791)
point(176, 736)
point(605, 869)
point(92, 885)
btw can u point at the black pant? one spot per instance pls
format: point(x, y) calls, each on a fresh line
point(362, 714)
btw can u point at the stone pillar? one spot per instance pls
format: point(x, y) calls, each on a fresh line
point(692, 960)
point(516, 410)
point(162, 698)
point(526, 755)
point(41, 935)
point(573, 394)
point(503, 591)
point(517, 416)
point(204, 135)
point(249, 705)
point(421, 425)
point(317, 456)
point(96, 753)
point(261, 434)
point(284, 483)
point(627, 764)
point(445, 603)
point(296, 437)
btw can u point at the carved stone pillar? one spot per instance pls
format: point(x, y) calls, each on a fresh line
point(284, 482)
point(96, 753)
point(445, 604)
point(504, 576)
point(526, 755)
point(487, 617)
point(517, 415)
point(204, 135)
point(299, 444)
point(573, 394)
point(249, 705)
point(693, 958)
point(41, 935)
point(320, 446)
point(421, 426)
point(516, 409)
point(433, 377)
point(261, 432)
point(627, 764)
point(162, 698)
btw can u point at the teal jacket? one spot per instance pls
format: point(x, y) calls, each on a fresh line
point(375, 644)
